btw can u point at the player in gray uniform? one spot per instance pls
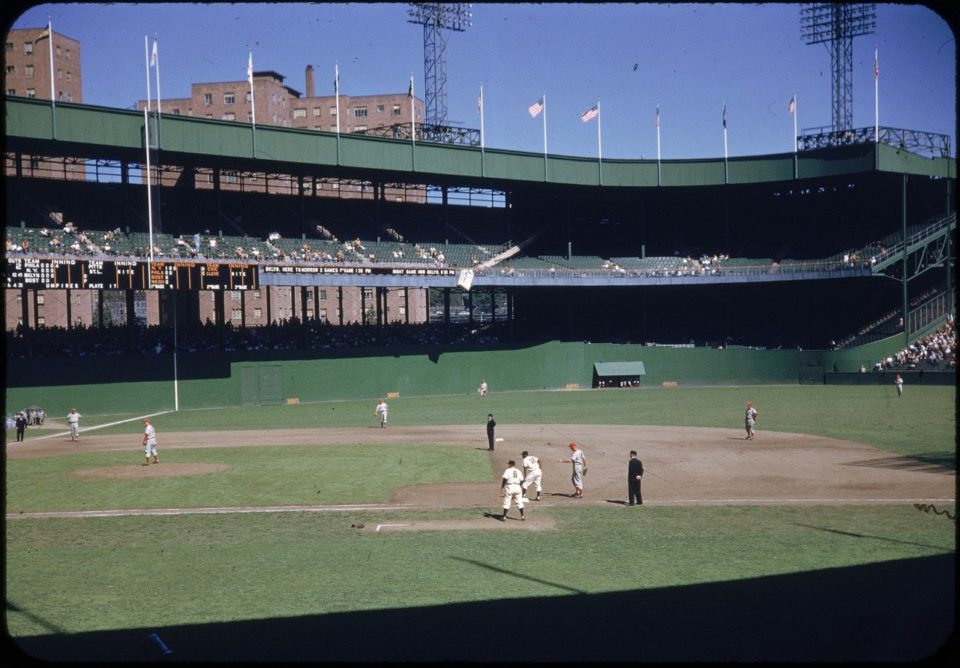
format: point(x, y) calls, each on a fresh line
point(510, 490)
point(149, 442)
point(751, 419)
point(579, 461)
point(74, 419)
point(532, 474)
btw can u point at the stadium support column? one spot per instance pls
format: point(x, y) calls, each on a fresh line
point(131, 316)
point(446, 312)
point(949, 240)
point(903, 222)
point(25, 308)
point(69, 312)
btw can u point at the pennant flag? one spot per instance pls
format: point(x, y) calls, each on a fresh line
point(724, 116)
point(658, 115)
point(876, 65)
point(336, 78)
point(535, 108)
point(792, 105)
point(45, 33)
point(480, 102)
point(410, 90)
point(153, 54)
point(250, 68)
point(590, 113)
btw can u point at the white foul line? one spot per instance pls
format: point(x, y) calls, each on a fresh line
point(100, 426)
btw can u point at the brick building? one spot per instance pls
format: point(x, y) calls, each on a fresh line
point(27, 74)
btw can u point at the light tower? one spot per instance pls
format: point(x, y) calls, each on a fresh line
point(836, 25)
point(436, 17)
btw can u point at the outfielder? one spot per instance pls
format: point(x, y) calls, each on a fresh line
point(532, 474)
point(149, 442)
point(510, 490)
point(381, 413)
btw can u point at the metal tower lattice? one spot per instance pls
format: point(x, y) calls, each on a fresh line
point(436, 17)
point(836, 25)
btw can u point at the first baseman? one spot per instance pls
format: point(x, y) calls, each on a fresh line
point(579, 461)
point(149, 442)
point(510, 489)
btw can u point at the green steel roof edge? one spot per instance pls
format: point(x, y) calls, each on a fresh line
point(104, 130)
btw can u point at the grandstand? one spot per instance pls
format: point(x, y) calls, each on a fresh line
point(688, 256)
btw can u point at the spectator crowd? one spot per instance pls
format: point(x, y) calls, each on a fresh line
point(938, 349)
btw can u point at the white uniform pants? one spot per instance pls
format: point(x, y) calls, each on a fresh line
point(150, 448)
point(533, 478)
point(513, 493)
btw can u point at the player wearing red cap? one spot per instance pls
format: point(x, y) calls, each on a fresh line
point(579, 461)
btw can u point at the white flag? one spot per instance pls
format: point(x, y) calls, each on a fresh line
point(250, 68)
point(153, 54)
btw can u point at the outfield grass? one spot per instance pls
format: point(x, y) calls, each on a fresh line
point(923, 422)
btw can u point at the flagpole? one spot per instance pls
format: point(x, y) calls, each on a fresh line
point(796, 167)
point(599, 146)
point(544, 136)
point(481, 131)
point(876, 95)
point(658, 144)
point(146, 129)
point(336, 91)
point(725, 175)
point(413, 127)
point(253, 107)
point(176, 381)
point(155, 61)
point(53, 94)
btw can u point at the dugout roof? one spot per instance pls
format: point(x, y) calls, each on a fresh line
point(618, 369)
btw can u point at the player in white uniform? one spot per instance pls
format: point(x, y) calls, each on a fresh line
point(483, 388)
point(899, 383)
point(74, 419)
point(510, 489)
point(532, 474)
point(381, 413)
point(149, 442)
point(751, 419)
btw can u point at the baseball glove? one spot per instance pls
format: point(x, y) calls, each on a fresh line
point(585, 471)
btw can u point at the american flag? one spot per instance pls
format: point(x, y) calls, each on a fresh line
point(590, 113)
point(535, 108)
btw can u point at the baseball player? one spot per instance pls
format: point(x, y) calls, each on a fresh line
point(751, 419)
point(149, 442)
point(510, 490)
point(579, 461)
point(899, 383)
point(532, 474)
point(74, 419)
point(482, 390)
point(381, 413)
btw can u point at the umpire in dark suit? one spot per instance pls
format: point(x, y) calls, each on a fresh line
point(634, 476)
point(491, 424)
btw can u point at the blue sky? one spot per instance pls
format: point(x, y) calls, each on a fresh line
point(691, 59)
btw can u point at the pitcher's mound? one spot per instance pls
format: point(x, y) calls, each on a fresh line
point(160, 470)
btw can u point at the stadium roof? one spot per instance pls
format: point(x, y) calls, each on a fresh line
point(616, 369)
point(73, 130)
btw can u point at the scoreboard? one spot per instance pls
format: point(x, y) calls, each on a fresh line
point(72, 273)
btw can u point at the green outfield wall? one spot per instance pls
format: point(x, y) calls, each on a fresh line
point(142, 383)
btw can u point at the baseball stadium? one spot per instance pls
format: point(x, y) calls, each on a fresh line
point(283, 281)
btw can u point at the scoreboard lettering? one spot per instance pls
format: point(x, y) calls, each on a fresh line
point(65, 273)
